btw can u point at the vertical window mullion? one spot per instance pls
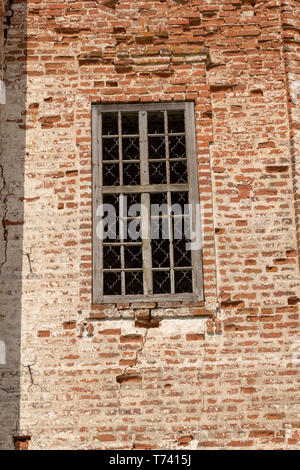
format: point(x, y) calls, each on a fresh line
point(193, 180)
point(146, 206)
point(121, 220)
point(167, 146)
point(121, 206)
point(97, 202)
point(169, 202)
point(121, 173)
point(169, 199)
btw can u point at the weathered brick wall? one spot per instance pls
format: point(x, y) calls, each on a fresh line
point(13, 115)
point(1, 49)
point(1, 36)
point(221, 374)
point(290, 20)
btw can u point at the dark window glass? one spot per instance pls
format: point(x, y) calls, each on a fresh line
point(110, 124)
point(130, 123)
point(156, 122)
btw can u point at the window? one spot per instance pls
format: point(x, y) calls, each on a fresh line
point(146, 221)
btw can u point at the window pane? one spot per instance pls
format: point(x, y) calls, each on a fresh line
point(159, 198)
point(112, 283)
point(134, 230)
point(111, 217)
point(176, 121)
point(161, 282)
point(178, 172)
point(110, 149)
point(131, 148)
point(178, 228)
point(113, 200)
point(134, 283)
point(131, 174)
point(160, 229)
point(133, 215)
point(183, 282)
point(177, 147)
point(157, 147)
point(111, 174)
point(182, 257)
point(156, 123)
point(181, 228)
point(133, 256)
point(110, 124)
point(182, 199)
point(132, 200)
point(160, 253)
point(130, 123)
point(158, 172)
point(111, 257)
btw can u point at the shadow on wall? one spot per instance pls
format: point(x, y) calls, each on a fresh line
point(13, 117)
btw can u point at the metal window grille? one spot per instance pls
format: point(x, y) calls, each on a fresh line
point(144, 156)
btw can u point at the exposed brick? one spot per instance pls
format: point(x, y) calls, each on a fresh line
point(125, 378)
point(139, 375)
point(43, 334)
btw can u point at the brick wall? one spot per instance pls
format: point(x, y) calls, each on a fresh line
point(220, 374)
point(1, 36)
point(13, 115)
point(290, 21)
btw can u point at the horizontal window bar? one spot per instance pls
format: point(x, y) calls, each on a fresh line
point(168, 134)
point(106, 108)
point(166, 268)
point(116, 136)
point(184, 217)
point(175, 268)
point(125, 243)
point(119, 270)
point(149, 188)
point(150, 298)
point(182, 159)
point(120, 161)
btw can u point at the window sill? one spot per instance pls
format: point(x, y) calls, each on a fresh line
point(159, 310)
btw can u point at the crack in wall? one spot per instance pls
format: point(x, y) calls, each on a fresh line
point(28, 366)
point(133, 445)
point(5, 205)
point(136, 354)
point(138, 351)
point(32, 384)
point(31, 274)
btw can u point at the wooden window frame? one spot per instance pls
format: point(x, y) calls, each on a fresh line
point(192, 187)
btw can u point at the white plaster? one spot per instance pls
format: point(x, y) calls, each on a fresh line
point(184, 326)
point(2, 92)
point(295, 92)
point(2, 353)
